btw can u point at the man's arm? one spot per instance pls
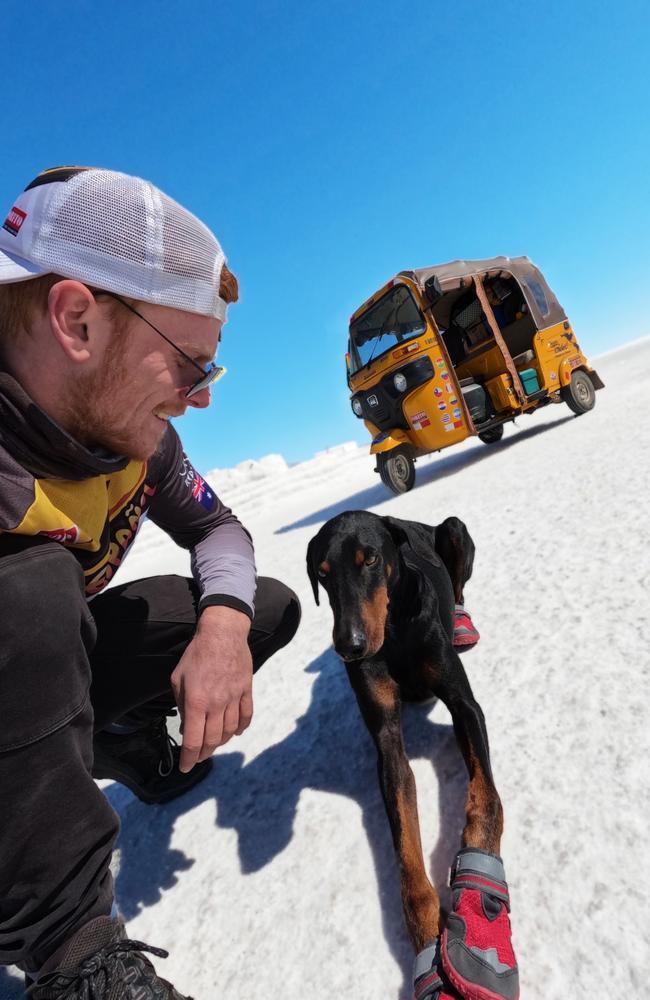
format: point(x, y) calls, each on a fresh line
point(212, 681)
point(186, 507)
point(212, 684)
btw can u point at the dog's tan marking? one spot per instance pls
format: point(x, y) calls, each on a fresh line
point(483, 810)
point(419, 898)
point(373, 616)
point(359, 557)
point(389, 570)
point(324, 567)
point(385, 693)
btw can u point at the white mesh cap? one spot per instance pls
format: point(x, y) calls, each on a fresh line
point(115, 232)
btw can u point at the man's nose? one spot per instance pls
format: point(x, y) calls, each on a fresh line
point(200, 400)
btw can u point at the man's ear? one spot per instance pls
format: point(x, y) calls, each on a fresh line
point(312, 566)
point(71, 306)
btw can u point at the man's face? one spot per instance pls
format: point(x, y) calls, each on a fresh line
point(124, 403)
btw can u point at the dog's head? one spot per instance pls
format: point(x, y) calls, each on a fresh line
point(355, 558)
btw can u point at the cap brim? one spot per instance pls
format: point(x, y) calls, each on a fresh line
point(14, 268)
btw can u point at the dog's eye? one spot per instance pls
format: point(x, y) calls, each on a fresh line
point(371, 560)
point(322, 575)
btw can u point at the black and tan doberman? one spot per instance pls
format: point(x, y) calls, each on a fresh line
point(392, 586)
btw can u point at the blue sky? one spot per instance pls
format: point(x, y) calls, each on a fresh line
point(330, 145)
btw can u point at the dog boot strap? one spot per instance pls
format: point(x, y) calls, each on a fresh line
point(477, 869)
point(427, 981)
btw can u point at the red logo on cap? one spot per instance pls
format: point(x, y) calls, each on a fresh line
point(14, 221)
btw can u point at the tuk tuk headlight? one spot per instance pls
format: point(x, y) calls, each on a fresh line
point(356, 407)
point(399, 381)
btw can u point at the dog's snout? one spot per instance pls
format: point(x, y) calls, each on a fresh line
point(352, 645)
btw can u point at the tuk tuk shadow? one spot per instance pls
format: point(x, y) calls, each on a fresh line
point(440, 468)
point(479, 452)
point(247, 795)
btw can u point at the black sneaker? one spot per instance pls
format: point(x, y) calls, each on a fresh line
point(101, 963)
point(146, 762)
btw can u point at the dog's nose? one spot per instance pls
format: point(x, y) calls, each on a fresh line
point(351, 646)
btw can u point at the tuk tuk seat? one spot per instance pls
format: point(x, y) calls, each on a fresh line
point(519, 335)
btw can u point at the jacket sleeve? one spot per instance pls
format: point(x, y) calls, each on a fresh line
point(188, 510)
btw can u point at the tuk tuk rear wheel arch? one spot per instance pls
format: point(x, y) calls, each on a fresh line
point(580, 393)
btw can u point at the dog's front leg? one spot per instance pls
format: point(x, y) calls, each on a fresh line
point(477, 953)
point(483, 811)
point(380, 705)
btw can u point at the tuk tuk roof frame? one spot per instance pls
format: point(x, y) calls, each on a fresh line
point(452, 274)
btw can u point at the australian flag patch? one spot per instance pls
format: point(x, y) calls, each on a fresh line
point(202, 492)
point(197, 485)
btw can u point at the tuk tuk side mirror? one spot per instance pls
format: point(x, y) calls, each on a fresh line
point(432, 289)
point(347, 366)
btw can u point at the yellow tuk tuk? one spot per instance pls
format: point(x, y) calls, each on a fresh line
point(445, 352)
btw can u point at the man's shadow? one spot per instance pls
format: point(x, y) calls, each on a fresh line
point(329, 750)
point(12, 984)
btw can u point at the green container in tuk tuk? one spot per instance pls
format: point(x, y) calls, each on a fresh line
point(529, 381)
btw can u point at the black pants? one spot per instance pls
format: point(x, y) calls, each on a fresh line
point(67, 666)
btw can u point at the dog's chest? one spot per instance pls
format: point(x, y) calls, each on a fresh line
point(413, 661)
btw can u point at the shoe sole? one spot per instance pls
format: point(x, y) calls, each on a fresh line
point(463, 647)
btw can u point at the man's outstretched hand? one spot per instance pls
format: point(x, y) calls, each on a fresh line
point(212, 684)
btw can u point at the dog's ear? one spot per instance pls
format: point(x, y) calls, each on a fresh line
point(312, 566)
point(419, 537)
point(416, 546)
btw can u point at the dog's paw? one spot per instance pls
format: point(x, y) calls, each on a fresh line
point(476, 951)
point(466, 635)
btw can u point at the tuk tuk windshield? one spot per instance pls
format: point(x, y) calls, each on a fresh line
point(389, 322)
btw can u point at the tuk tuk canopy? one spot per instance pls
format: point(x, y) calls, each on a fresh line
point(542, 303)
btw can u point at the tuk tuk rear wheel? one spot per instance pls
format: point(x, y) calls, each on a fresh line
point(492, 436)
point(579, 395)
point(397, 469)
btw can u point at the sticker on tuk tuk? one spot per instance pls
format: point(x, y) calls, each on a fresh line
point(449, 427)
point(437, 391)
point(449, 387)
point(440, 362)
point(453, 401)
point(458, 423)
point(446, 419)
point(420, 420)
point(553, 375)
point(456, 413)
point(444, 375)
point(442, 406)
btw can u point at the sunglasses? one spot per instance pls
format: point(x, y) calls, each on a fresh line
point(212, 373)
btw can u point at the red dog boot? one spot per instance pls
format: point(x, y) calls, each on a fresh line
point(465, 634)
point(476, 949)
point(429, 979)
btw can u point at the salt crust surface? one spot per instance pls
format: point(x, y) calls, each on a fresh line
point(276, 877)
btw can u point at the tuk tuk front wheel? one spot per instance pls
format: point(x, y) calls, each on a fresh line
point(397, 469)
point(579, 395)
point(492, 436)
